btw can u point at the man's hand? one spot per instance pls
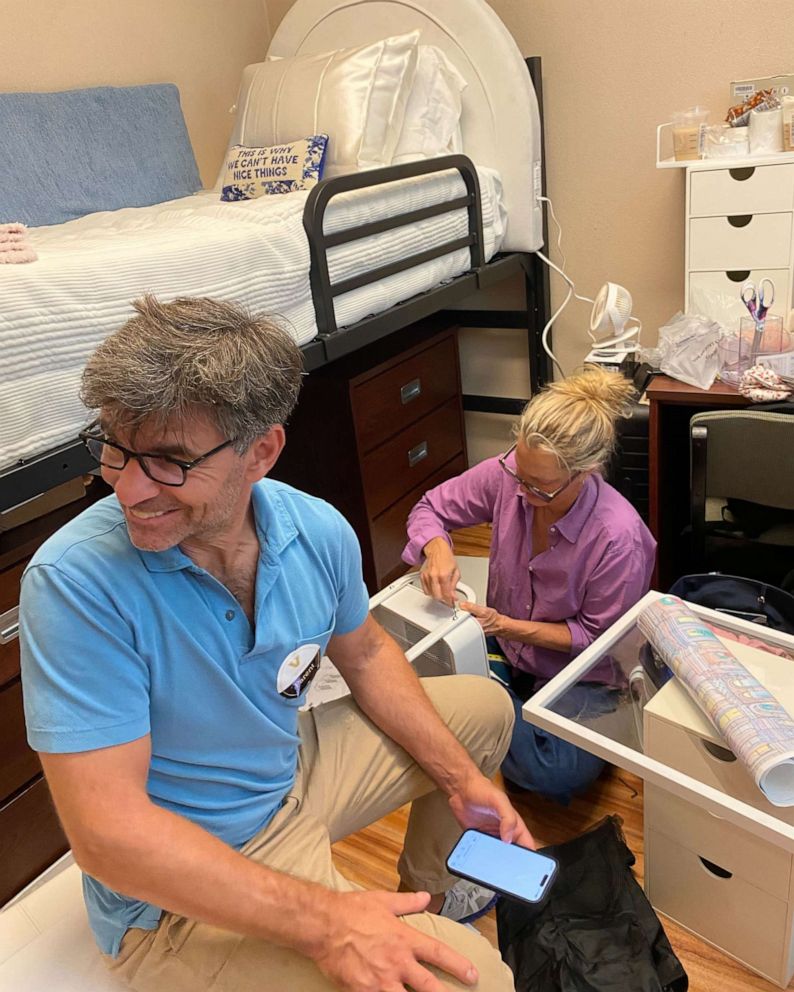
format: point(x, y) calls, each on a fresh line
point(440, 572)
point(487, 617)
point(370, 949)
point(480, 805)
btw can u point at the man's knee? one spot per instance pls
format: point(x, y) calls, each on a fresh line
point(479, 713)
point(494, 974)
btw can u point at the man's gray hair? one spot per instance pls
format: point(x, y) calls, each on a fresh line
point(173, 357)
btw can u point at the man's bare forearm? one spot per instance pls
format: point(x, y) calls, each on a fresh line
point(162, 858)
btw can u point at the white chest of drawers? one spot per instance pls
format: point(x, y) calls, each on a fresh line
point(718, 880)
point(719, 858)
point(740, 226)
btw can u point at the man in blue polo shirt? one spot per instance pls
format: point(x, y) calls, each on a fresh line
point(168, 635)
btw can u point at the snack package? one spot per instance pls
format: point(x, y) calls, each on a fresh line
point(739, 116)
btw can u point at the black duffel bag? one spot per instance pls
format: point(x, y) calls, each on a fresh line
point(595, 931)
point(747, 599)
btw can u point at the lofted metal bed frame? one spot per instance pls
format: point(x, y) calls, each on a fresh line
point(31, 477)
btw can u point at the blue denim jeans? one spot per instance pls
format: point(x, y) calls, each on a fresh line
point(537, 760)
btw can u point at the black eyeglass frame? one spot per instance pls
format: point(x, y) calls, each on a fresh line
point(88, 435)
point(527, 486)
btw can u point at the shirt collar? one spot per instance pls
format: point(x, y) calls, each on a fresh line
point(275, 529)
point(570, 526)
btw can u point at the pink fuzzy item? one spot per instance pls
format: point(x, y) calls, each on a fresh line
point(15, 227)
point(11, 239)
point(17, 253)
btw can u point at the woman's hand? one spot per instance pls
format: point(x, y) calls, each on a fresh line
point(440, 572)
point(491, 622)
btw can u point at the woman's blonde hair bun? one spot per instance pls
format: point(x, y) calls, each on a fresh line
point(574, 418)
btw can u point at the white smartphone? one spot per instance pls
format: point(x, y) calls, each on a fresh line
point(507, 868)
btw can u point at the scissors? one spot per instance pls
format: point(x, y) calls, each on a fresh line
point(758, 301)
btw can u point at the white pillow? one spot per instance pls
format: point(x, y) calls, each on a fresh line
point(357, 96)
point(432, 117)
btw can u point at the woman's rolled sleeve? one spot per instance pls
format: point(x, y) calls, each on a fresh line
point(466, 500)
point(619, 580)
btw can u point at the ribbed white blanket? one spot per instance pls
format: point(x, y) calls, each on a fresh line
point(54, 312)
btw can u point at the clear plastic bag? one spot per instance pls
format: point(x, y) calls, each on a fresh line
point(688, 349)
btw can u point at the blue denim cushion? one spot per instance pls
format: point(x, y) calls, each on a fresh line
point(64, 155)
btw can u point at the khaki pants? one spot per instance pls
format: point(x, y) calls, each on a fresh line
point(349, 775)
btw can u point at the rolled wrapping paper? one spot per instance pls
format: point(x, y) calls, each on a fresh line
point(758, 730)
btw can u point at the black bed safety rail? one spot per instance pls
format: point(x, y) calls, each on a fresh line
point(324, 291)
point(36, 475)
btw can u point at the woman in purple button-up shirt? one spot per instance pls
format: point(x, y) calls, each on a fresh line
point(569, 555)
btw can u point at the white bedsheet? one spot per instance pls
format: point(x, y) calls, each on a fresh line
point(53, 312)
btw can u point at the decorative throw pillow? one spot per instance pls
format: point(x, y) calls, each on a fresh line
point(357, 96)
point(432, 116)
point(252, 172)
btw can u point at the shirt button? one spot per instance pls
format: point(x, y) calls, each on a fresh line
point(553, 530)
point(230, 614)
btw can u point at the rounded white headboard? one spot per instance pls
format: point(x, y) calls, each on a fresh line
point(500, 122)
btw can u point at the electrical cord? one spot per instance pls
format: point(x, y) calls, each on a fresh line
point(544, 338)
point(559, 269)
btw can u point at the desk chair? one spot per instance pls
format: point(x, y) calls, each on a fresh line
point(743, 455)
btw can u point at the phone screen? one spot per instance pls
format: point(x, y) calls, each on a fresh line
point(513, 870)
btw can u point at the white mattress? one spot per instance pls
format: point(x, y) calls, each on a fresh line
point(53, 312)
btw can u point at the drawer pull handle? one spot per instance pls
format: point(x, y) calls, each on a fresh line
point(410, 391)
point(738, 275)
point(740, 175)
point(713, 869)
point(417, 454)
point(9, 625)
point(720, 753)
point(740, 220)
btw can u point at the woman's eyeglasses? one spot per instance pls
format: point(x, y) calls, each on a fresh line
point(163, 469)
point(527, 486)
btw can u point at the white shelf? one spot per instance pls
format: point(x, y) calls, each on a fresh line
point(746, 162)
point(696, 165)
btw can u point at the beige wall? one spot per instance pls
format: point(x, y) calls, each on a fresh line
point(201, 45)
point(613, 69)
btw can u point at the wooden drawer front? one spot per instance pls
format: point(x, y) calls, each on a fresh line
point(414, 454)
point(388, 531)
point(730, 284)
point(693, 755)
point(763, 242)
point(730, 913)
point(18, 764)
point(9, 598)
point(30, 839)
point(765, 189)
point(388, 402)
point(739, 852)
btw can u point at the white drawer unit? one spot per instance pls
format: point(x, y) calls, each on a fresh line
point(739, 227)
point(728, 910)
point(729, 283)
point(719, 858)
point(752, 241)
point(752, 190)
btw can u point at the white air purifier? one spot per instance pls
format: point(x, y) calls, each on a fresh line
point(436, 639)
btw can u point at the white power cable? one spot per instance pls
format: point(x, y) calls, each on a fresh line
point(544, 338)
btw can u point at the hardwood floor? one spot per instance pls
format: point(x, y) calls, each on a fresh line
point(370, 856)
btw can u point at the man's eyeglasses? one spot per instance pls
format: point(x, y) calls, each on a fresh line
point(163, 469)
point(532, 490)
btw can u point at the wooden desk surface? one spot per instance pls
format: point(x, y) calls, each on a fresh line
point(663, 389)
